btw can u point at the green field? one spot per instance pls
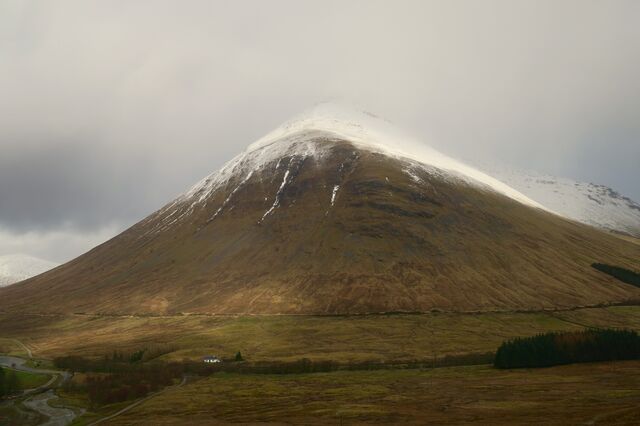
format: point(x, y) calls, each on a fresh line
point(28, 380)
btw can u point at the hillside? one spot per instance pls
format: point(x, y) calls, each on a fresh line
point(339, 215)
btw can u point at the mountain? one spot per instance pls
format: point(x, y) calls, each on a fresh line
point(337, 212)
point(593, 204)
point(18, 267)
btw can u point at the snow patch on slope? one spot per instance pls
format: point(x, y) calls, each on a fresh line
point(252, 160)
point(333, 194)
point(226, 201)
point(18, 267)
point(276, 202)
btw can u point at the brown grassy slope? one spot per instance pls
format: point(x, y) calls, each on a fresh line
point(388, 244)
point(628, 238)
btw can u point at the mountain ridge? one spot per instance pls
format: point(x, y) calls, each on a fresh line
point(18, 267)
point(593, 204)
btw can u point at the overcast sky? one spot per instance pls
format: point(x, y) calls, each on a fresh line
point(110, 109)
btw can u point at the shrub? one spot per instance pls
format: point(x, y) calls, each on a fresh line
point(624, 275)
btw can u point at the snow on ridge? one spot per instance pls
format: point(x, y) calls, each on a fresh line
point(589, 203)
point(370, 132)
point(298, 137)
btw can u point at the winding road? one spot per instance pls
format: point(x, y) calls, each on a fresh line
point(19, 364)
point(23, 346)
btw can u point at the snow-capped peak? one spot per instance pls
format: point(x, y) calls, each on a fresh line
point(18, 267)
point(364, 130)
point(371, 132)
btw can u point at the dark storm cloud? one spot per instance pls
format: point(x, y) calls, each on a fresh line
point(60, 183)
point(110, 109)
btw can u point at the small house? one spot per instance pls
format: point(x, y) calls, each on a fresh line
point(211, 359)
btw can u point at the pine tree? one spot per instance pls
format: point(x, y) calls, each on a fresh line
point(1, 382)
point(239, 357)
point(544, 350)
point(11, 383)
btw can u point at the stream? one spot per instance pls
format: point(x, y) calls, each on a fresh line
point(39, 402)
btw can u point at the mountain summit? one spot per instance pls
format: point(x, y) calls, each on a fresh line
point(337, 212)
point(364, 130)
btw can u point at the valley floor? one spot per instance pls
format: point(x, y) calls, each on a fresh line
point(604, 393)
point(577, 394)
point(389, 337)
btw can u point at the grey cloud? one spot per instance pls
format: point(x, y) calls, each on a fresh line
point(59, 245)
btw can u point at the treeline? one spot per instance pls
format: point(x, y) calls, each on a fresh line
point(545, 350)
point(117, 361)
point(117, 364)
point(624, 275)
point(124, 385)
point(304, 366)
point(9, 382)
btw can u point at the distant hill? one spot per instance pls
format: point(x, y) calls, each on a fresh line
point(19, 267)
point(337, 212)
point(589, 203)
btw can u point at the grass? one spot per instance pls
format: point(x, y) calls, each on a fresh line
point(29, 380)
point(455, 395)
point(89, 416)
point(448, 395)
point(286, 338)
point(43, 364)
point(629, 238)
point(12, 347)
point(80, 402)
